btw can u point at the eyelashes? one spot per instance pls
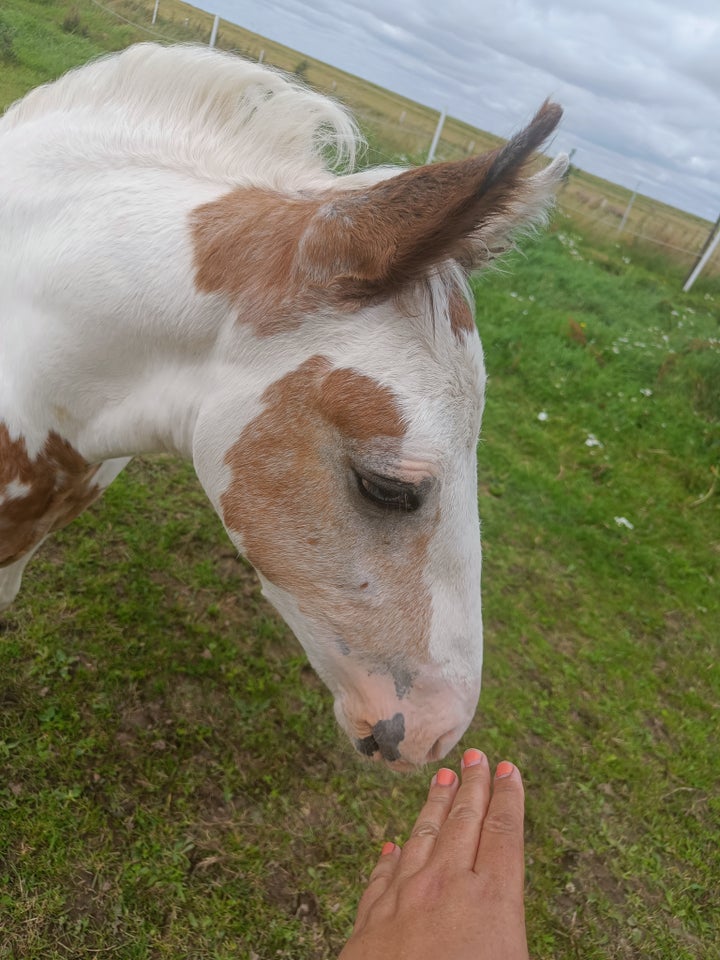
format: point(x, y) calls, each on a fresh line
point(389, 494)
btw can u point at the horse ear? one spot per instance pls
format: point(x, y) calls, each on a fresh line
point(375, 240)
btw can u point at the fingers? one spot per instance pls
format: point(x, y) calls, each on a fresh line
point(379, 881)
point(421, 843)
point(500, 852)
point(458, 840)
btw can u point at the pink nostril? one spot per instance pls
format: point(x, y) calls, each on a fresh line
point(445, 743)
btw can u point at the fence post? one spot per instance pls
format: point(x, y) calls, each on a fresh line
point(628, 208)
point(213, 35)
point(155, 11)
point(436, 137)
point(705, 254)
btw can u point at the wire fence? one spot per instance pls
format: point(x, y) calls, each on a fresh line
point(400, 130)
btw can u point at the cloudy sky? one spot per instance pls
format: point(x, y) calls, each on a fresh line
point(639, 79)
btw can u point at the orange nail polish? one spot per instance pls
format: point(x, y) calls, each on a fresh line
point(445, 777)
point(387, 848)
point(472, 757)
point(504, 769)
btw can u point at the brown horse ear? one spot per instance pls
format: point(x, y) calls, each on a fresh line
point(375, 240)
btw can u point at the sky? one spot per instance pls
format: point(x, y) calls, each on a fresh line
point(639, 79)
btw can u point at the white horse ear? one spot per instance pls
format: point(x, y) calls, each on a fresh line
point(375, 240)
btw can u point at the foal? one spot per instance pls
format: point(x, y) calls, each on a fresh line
point(183, 269)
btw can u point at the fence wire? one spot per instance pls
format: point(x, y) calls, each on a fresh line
point(401, 131)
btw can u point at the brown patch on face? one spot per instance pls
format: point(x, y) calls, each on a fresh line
point(293, 501)
point(52, 490)
point(358, 407)
point(245, 246)
point(461, 316)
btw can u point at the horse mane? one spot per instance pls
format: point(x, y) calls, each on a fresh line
point(209, 112)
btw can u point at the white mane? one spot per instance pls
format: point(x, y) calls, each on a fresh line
point(204, 110)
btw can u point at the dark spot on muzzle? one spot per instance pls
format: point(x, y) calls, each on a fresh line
point(385, 737)
point(403, 682)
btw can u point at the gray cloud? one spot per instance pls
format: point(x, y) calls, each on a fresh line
point(640, 80)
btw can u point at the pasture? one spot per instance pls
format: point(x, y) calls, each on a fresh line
point(172, 780)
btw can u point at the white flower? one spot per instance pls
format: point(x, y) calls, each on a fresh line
point(624, 522)
point(592, 441)
point(646, 392)
point(542, 416)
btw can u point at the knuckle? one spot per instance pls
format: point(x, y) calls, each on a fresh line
point(380, 872)
point(425, 828)
point(439, 798)
point(503, 822)
point(464, 812)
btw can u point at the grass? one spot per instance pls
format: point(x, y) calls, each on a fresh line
point(172, 783)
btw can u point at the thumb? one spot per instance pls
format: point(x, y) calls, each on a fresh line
point(378, 883)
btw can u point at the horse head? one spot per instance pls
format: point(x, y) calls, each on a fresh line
point(344, 464)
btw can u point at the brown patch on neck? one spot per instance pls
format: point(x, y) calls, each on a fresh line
point(461, 315)
point(40, 495)
point(245, 247)
point(292, 499)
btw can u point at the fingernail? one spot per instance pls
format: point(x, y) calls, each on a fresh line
point(472, 757)
point(387, 848)
point(445, 777)
point(504, 769)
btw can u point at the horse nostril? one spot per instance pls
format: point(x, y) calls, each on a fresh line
point(367, 746)
point(445, 743)
point(388, 734)
point(385, 738)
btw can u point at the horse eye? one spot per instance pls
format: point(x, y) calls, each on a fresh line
point(389, 494)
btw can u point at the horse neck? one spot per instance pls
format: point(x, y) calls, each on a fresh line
point(110, 344)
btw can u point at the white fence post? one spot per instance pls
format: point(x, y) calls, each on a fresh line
point(709, 250)
point(436, 137)
point(213, 35)
point(155, 11)
point(628, 208)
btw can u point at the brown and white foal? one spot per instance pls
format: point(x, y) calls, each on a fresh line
point(181, 270)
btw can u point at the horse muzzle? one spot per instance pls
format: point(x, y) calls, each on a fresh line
point(406, 733)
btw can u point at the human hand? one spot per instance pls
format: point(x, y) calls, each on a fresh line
point(456, 887)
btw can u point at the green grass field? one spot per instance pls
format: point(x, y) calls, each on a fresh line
point(172, 783)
